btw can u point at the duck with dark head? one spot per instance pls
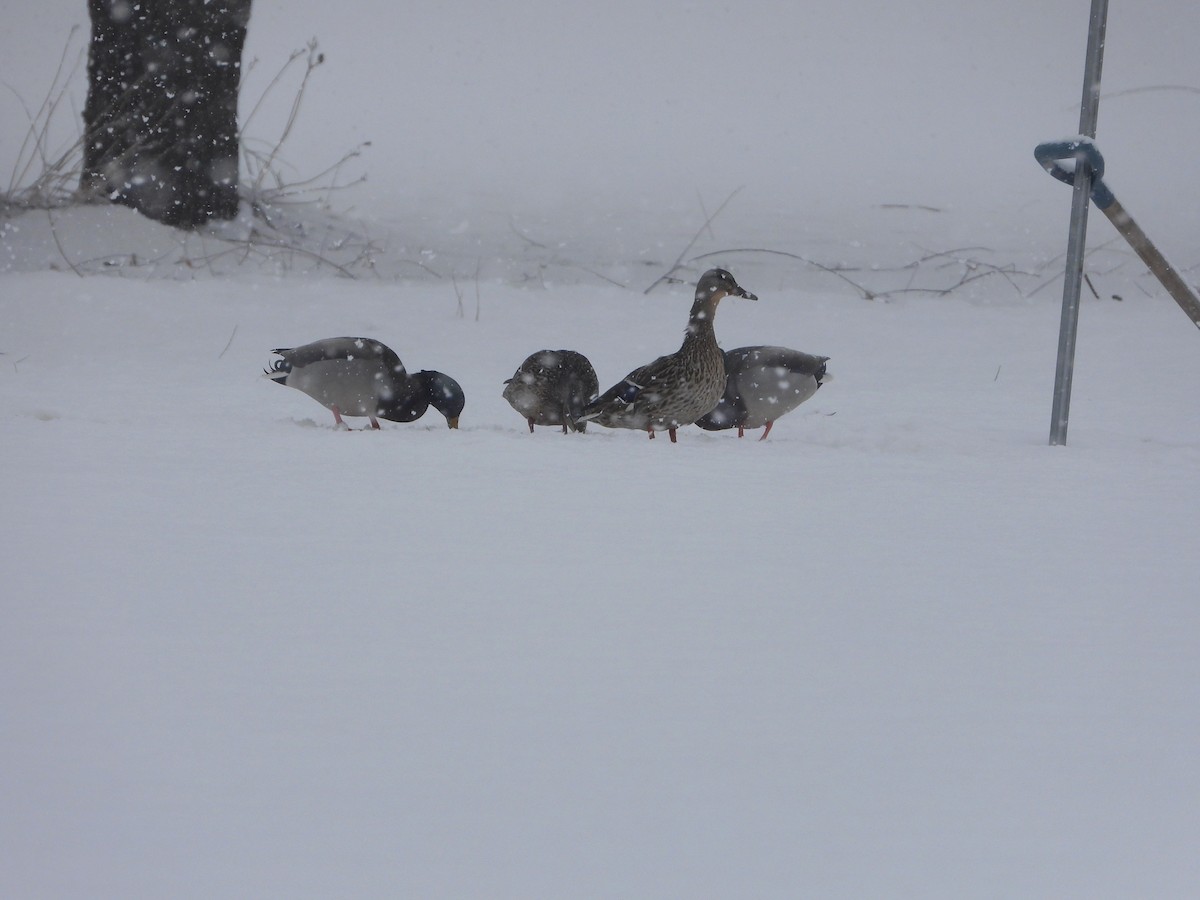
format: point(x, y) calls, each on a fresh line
point(356, 376)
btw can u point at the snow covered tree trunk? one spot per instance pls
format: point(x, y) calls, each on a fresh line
point(160, 121)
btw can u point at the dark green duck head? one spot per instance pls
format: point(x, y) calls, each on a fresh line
point(444, 394)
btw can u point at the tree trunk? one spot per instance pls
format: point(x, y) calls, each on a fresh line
point(160, 121)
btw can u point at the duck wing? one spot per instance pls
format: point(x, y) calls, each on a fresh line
point(630, 388)
point(794, 361)
point(343, 349)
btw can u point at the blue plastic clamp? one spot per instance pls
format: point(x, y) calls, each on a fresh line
point(1050, 154)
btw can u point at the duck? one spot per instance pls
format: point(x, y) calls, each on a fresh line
point(551, 387)
point(356, 376)
point(762, 384)
point(674, 390)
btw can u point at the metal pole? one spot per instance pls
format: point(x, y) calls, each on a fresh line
point(1155, 261)
point(1088, 112)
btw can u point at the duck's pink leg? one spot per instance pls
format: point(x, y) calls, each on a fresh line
point(767, 430)
point(741, 431)
point(671, 431)
point(374, 422)
point(530, 421)
point(337, 418)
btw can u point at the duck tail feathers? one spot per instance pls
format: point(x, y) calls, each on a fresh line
point(278, 370)
point(572, 413)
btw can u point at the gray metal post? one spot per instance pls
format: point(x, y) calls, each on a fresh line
point(1088, 113)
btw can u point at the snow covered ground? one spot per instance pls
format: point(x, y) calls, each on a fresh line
point(901, 649)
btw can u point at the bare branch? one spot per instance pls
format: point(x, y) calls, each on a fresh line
point(58, 244)
point(1153, 89)
point(866, 293)
point(684, 252)
point(314, 59)
point(228, 343)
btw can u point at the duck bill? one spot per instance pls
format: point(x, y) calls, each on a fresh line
point(453, 423)
point(742, 292)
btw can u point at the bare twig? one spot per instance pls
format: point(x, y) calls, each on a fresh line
point(258, 243)
point(939, 254)
point(478, 299)
point(555, 259)
point(1058, 275)
point(973, 269)
point(704, 212)
point(684, 252)
point(523, 236)
point(461, 313)
point(922, 207)
point(970, 276)
point(58, 244)
point(39, 122)
point(1153, 89)
point(295, 55)
point(49, 186)
point(866, 293)
point(313, 60)
point(228, 343)
point(601, 276)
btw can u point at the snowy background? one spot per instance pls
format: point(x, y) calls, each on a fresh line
point(903, 648)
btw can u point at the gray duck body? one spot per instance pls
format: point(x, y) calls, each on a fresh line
point(357, 376)
point(551, 387)
point(674, 390)
point(762, 384)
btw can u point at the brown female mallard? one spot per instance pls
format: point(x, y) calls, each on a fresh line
point(551, 388)
point(678, 389)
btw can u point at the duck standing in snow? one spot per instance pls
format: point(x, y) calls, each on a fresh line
point(674, 390)
point(551, 387)
point(360, 377)
point(762, 384)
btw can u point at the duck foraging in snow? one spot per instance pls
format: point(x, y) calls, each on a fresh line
point(674, 390)
point(762, 384)
point(354, 376)
point(551, 387)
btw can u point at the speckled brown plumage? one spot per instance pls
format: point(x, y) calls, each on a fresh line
point(551, 387)
point(674, 390)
